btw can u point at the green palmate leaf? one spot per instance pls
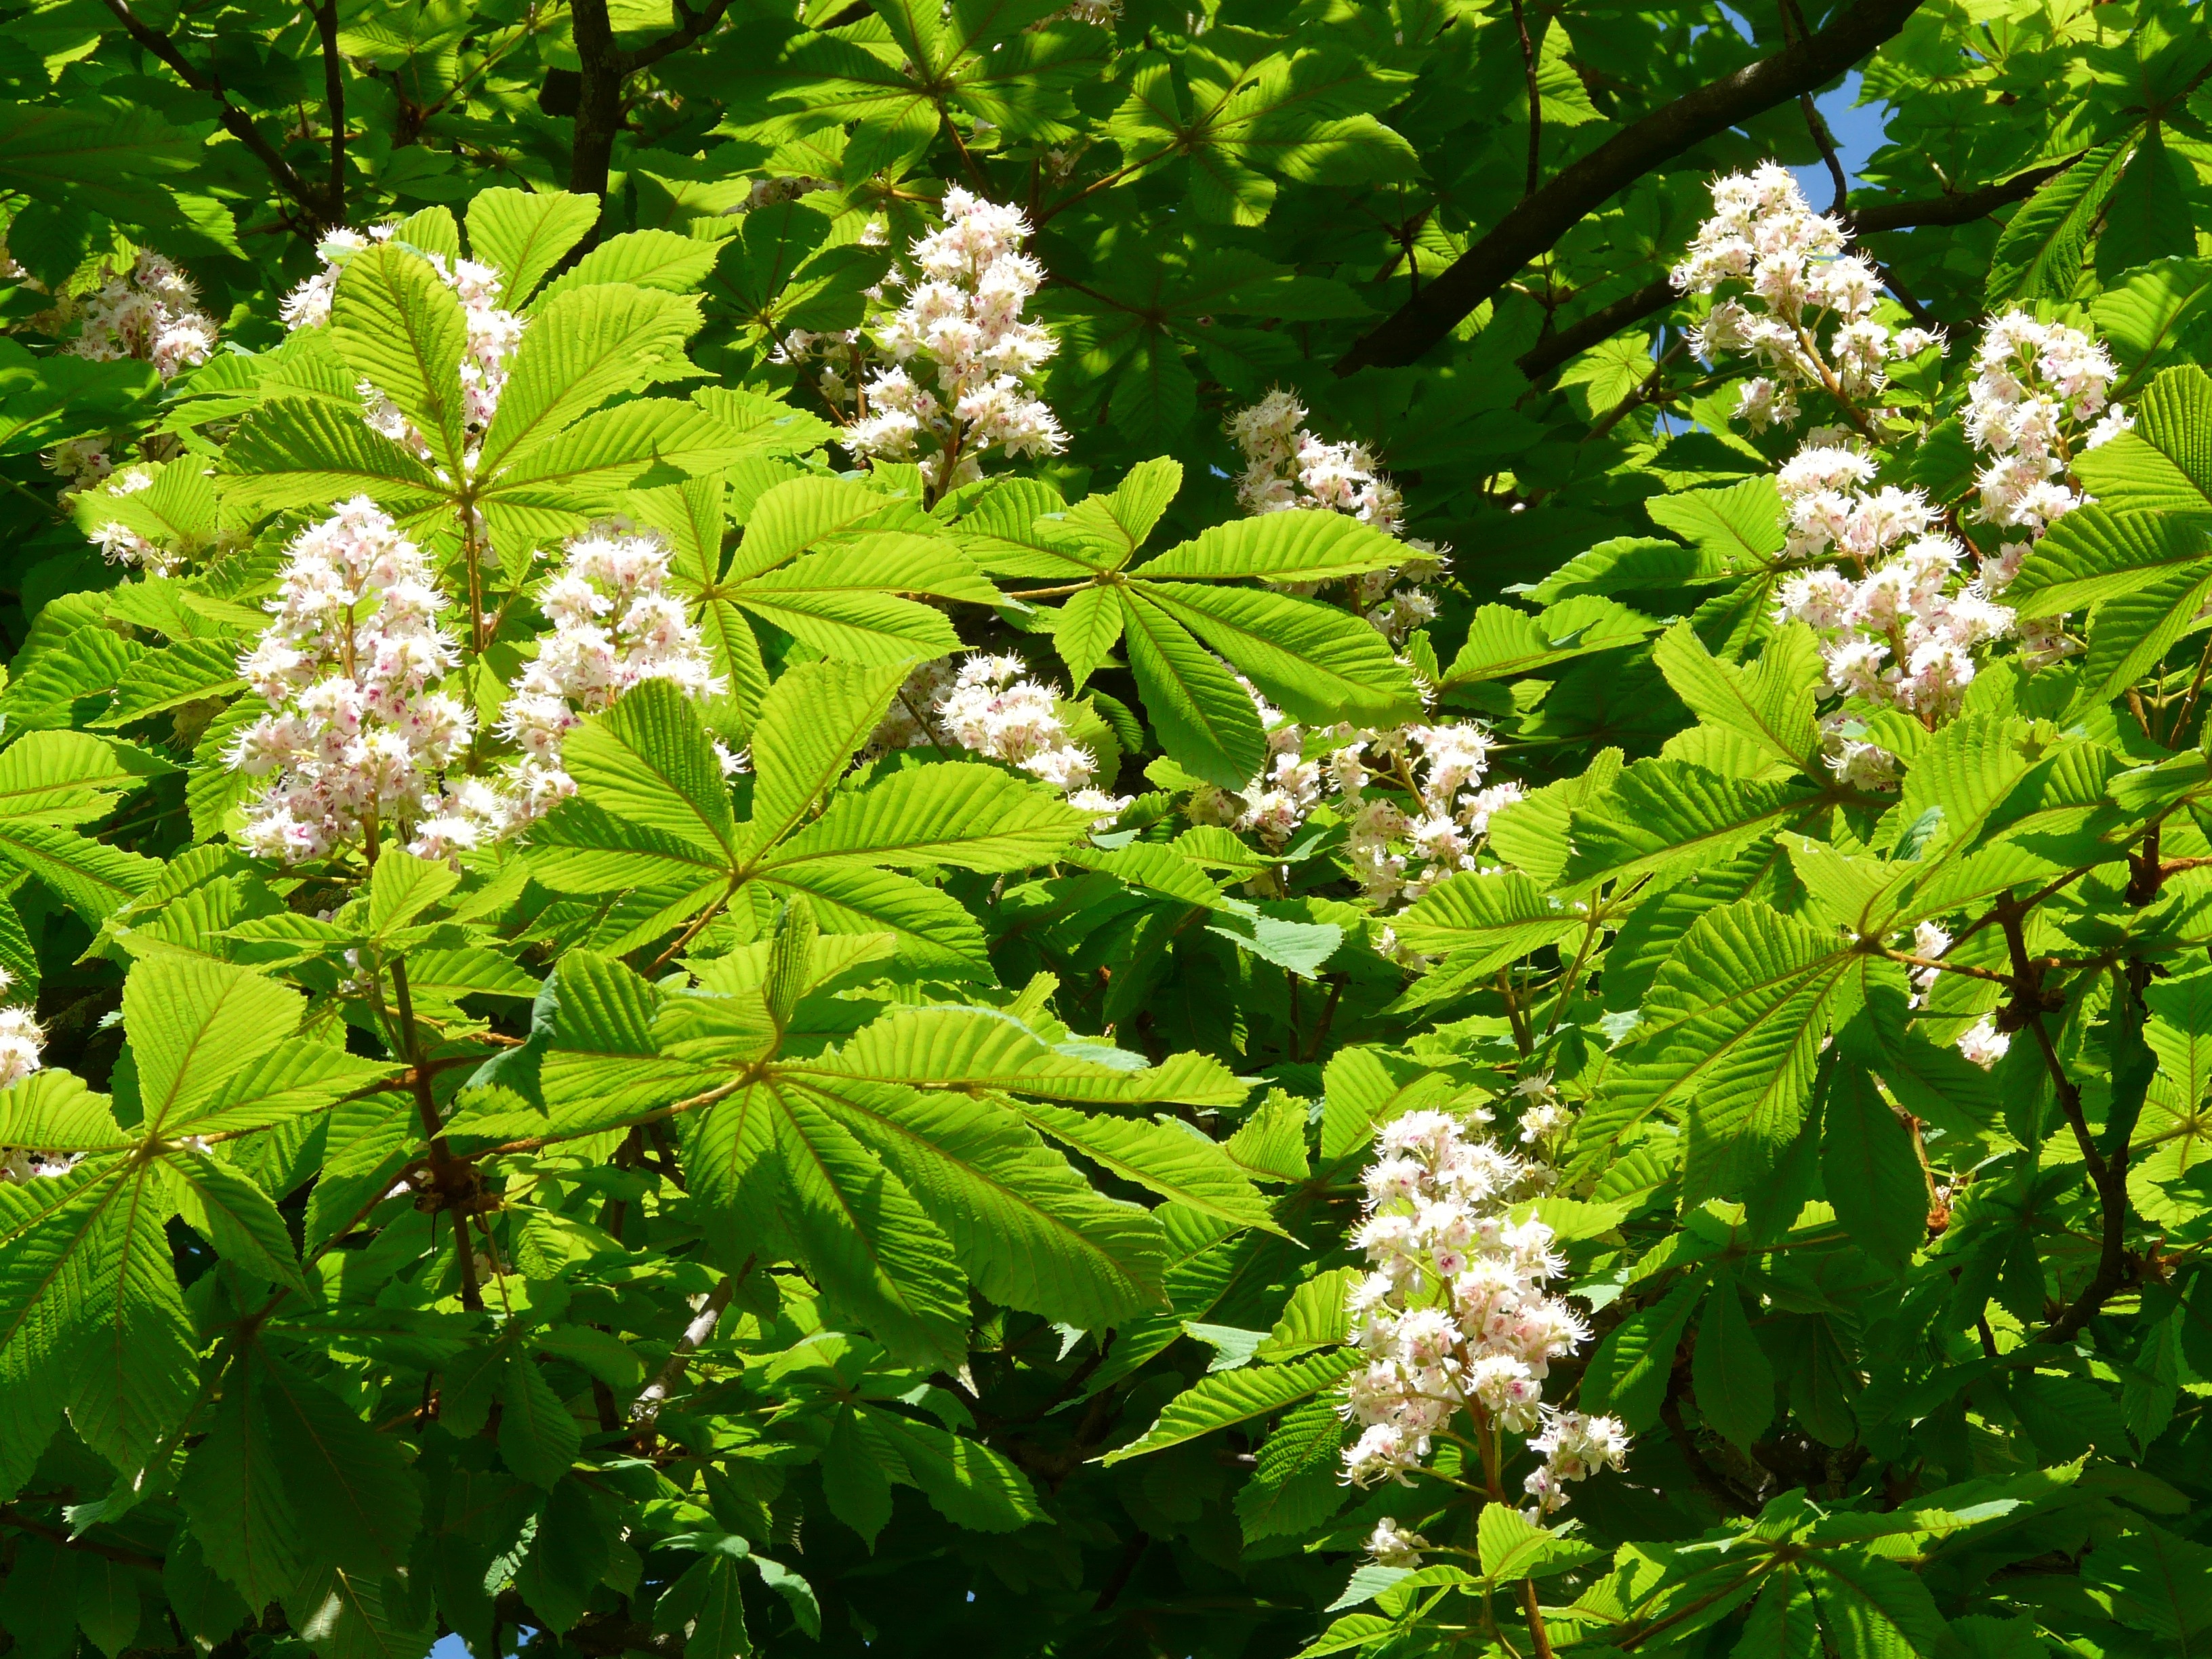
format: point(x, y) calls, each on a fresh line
point(964, 1481)
point(1662, 811)
point(1769, 703)
point(54, 1112)
point(1868, 1166)
point(2163, 466)
point(1026, 1227)
point(1872, 1605)
point(135, 1373)
point(2157, 1581)
point(647, 258)
point(526, 234)
point(537, 1438)
point(293, 452)
point(1483, 922)
point(2147, 215)
point(933, 930)
point(867, 1242)
point(1514, 1547)
point(238, 1219)
point(582, 347)
point(1205, 721)
point(195, 1025)
point(647, 760)
point(969, 816)
point(1735, 1383)
point(1503, 642)
point(1297, 547)
point(1316, 663)
point(1294, 1484)
point(606, 1061)
point(1167, 1157)
point(93, 878)
point(1730, 1035)
point(983, 1048)
point(357, 1503)
point(2130, 633)
point(234, 1491)
point(1628, 1372)
point(1228, 1398)
point(402, 330)
point(2094, 554)
point(2162, 311)
point(812, 723)
point(350, 1615)
point(2040, 254)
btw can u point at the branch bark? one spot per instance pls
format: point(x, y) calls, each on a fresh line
point(234, 120)
point(1533, 225)
point(605, 66)
point(326, 27)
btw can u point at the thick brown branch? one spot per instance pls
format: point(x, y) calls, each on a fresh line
point(693, 26)
point(326, 27)
point(11, 1517)
point(234, 120)
point(1961, 207)
point(1536, 222)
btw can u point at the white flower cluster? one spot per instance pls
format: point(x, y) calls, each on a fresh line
point(1288, 469)
point(121, 544)
point(357, 736)
point(962, 317)
point(1904, 632)
point(494, 332)
point(20, 1048)
point(989, 706)
point(19, 1039)
point(2038, 397)
point(1394, 855)
point(1454, 1315)
point(150, 312)
point(1983, 1043)
point(1794, 279)
point(615, 625)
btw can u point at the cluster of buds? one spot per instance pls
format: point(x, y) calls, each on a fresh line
point(2038, 397)
point(1288, 469)
point(973, 355)
point(493, 332)
point(1395, 854)
point(1454, 1315)
point(1273, 804)
point(119, 543)
point(357, 736)
point(1789, 277)
point(1900, 627)
point(991, 706)
point(21, 1044)
point(150, 312)
point(1982, 1042)
point(615, 625)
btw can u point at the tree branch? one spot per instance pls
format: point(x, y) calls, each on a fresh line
point(327, 25)
point(655, 1394)
point(695, 25)
point(1536, 222)
point(598, 99)
point(1954, 208)
point(234, 120)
